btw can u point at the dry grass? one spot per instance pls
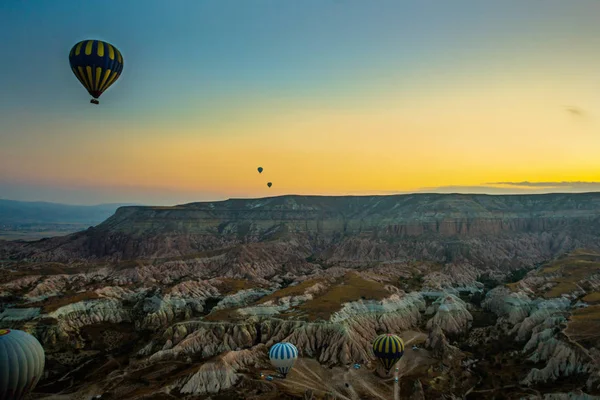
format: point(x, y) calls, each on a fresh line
point(45, 269)
point(591, 313)
point(228, 314)
point(584, 326)
point(54, 303)
point(514, 287)
point(9, 276)
point(562, 287)
point(592, 298)
point(351, 287)
point(296, 290)
point(570, 270)
point(229, 286)
point(202, 254)
point(128, 264)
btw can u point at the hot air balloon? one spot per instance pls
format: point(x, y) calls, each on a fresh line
point(260, 170)
point(269, 184)
point(283, 356)
point(388, 349)
point(97, 65)
point(21, 363)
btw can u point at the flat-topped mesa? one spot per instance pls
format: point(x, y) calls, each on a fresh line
point(446, 223)
point(444, 214)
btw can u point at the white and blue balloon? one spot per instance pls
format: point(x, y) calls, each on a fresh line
point(283, 356)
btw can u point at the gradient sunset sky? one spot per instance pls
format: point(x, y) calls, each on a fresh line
point(329, 96)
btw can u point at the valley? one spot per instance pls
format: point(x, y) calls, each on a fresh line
point(498, 293)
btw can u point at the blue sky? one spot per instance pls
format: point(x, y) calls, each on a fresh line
point(215, 70)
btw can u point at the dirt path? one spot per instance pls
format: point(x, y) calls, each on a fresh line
point(396, 386)
point(348, 377)
point(309, 374)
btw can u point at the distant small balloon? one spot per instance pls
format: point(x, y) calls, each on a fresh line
point(260, 170)
point(269, 184)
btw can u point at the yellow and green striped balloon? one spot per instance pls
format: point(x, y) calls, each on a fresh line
point(388, 348)
point(97, 65)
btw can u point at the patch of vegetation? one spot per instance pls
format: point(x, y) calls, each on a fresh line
point(229, 286)
point(488, 282)
point(244, 228)
point(415, 282)
point(483, 318)
point(512, 280)
point(569, 271)
point(584, 326)
point(108, 336)
point(592, 298)
point(128, 264)
point(514, 287)
point(201, 254)
point(517, 275)
point(295, 290)
point(8, 276)
point(55, 302)
point(351, 287)
point(311, 258)
point(24, 269)
point(560, 288)
point(501, 366)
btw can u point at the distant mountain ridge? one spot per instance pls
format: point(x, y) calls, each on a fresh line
point(24, 220)
point(24, 212)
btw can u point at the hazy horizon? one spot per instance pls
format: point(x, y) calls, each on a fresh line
point(81, 196)
point(329, 96)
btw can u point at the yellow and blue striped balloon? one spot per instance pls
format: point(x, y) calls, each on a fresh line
point(388, 349)
point(283, 356)
point(97, 65)
point(21, 363)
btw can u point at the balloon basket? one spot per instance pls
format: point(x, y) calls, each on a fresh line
point(94, 101)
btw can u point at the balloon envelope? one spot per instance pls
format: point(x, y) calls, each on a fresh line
point(269, 184)
point(260, 170)
point(388, 349)
point(96, 64)
point(21, 363)
point(283, 356)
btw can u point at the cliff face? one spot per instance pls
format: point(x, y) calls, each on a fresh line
point(498, 231)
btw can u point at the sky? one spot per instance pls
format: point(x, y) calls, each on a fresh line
point(328, 96)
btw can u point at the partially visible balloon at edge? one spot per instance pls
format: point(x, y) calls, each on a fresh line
point(23, 360)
